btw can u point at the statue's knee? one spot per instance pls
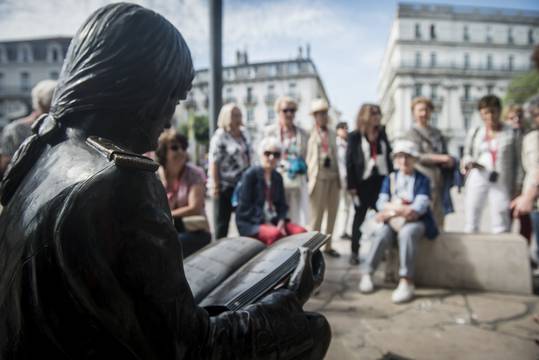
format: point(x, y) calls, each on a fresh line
point(321, 332)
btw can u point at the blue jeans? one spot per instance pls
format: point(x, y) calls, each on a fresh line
point(407, 238)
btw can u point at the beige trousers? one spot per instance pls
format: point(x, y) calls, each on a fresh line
point(324, 199)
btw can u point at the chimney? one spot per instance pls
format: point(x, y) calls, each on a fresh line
point(300, 53)
point(245, 57)
point(308, 55)
point(238, 57)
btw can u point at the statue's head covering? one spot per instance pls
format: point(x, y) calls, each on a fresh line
point(124, 59)
point(125, 62)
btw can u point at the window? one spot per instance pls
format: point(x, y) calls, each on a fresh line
point(510, 62)
point(24, 53)
point(489, 62)
point(53, 75)
point(271, 88)
point(467, 88)
point(432, 59)
point(417, 89)
point(489, 36)
point(1, 80)
point(466, 121)
point(25, 81)
point(250, 97)
point(466, 60)
point(293, 68)
point(292, 89)
point(417, 59)
point(250, 115)
point(432, 32)
point(490, 88)
point(466, 34)
point(434, 91)
point(417, 31)
point(531, 40)
point(510, 36)
point(3, 55)
point(271, 115)
point(54, 53)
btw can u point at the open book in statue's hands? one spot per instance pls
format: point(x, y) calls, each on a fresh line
point(235, 272)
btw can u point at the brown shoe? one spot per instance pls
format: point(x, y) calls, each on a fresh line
point(333, 253)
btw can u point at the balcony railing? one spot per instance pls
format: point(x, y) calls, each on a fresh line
point(451, 66)
point(250, 100)
point(14, 91)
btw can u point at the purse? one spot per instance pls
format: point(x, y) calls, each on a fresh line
point(196, 223)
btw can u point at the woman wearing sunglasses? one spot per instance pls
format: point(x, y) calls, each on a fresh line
point(262, 208)
point(185, 187)
point(292, 167)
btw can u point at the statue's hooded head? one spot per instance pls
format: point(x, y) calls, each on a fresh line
point(127, 65)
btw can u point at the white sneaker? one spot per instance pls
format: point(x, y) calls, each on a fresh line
point(403, 293)
point(365, 284)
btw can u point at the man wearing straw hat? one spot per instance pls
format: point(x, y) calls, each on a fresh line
point(323, 172)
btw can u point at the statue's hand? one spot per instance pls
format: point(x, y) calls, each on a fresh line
point(308, 275)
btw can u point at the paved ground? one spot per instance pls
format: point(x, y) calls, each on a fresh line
point(438, 324)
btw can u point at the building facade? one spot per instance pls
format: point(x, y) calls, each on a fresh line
point(254, 87)
point(453, 55)
point(23, 63)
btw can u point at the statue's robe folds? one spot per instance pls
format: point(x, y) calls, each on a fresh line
point(90, 268)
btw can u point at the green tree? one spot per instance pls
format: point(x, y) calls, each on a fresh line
point(201, 129)
point(522, 87)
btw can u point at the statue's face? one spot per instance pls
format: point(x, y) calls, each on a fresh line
point(147, 133)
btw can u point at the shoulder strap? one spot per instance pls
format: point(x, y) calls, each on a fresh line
point(121, 157)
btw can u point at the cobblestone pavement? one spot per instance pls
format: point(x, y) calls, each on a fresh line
point(437, 324)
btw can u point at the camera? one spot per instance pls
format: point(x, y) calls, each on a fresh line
point(493, 177)
point(327, 162)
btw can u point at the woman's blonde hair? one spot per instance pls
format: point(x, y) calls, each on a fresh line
point(422, 100)
point(284, 100)
point(364, 116)
point(225, 116)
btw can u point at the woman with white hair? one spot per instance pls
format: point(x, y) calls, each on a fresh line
point(292, 166)
point(404, 209)
point(262, 208)
point(229, 156)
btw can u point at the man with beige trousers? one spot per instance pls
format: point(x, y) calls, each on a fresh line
point(323, 173)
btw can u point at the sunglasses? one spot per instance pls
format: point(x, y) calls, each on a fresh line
point(174, 147)
point(291, 111)
point(276, 154)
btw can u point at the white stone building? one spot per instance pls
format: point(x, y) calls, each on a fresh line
point(23, 63)
point(453, 55)
point(254, 87)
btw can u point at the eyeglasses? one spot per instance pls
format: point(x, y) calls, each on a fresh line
point(276, 154)
point(290, 110)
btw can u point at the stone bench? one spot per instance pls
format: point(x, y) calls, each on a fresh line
point(472, 261)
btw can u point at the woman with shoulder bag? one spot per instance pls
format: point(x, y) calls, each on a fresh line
point(185, 187)
point(292, 166)
point(404, 209)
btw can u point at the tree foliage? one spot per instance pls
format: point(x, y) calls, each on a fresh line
point(522, 87)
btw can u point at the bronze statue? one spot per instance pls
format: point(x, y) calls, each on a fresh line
point(90, 267)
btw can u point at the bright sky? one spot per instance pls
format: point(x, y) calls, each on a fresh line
point(347, 37)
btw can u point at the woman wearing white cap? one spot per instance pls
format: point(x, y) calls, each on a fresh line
point(404, 208)
point(323, 172)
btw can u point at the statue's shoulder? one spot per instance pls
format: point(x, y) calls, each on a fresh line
point(121, 157)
